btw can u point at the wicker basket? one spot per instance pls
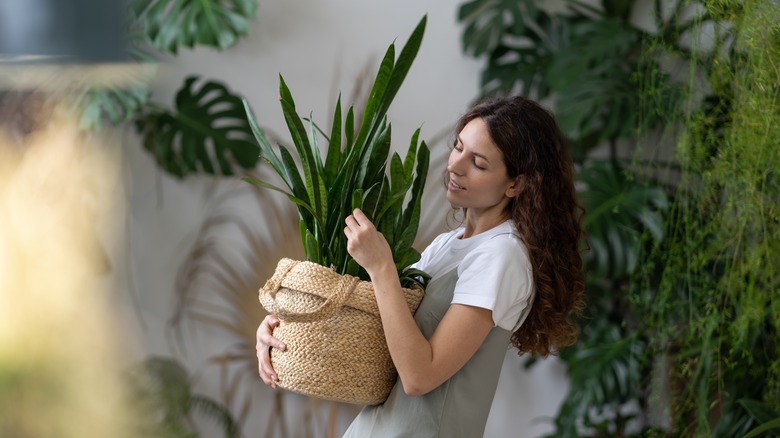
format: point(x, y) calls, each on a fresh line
point(336, 348)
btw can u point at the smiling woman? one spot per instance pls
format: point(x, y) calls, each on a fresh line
point(510, 275)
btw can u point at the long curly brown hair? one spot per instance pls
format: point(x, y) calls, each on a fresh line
point(546, 213)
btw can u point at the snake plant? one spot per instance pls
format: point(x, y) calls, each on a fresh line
point(355, 173)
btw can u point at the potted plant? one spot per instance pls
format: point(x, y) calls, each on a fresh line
point(330, 322)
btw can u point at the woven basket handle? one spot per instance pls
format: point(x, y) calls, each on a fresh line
point(344, 289)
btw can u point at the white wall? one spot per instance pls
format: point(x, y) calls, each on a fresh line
point(319, 48)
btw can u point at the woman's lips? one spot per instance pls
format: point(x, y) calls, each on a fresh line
point(452, 185)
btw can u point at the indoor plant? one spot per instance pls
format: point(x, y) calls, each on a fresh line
point(354, 174)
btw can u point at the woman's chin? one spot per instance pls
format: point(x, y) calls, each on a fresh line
point(453, 200)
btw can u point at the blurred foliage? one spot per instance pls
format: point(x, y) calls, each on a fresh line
point(682, 281)
point(208, 132)
point(204, 133)
point(585, 59)
point(161, 388)
point(171, 24)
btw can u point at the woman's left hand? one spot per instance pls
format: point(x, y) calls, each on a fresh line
point(365, 244)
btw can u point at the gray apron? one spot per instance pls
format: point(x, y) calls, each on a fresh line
point(459, 407)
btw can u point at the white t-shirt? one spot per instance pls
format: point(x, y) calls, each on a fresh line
point(494, 271)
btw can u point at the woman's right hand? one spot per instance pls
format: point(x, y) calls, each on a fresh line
point(266, 341)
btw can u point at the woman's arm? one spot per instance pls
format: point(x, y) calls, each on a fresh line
point(422, 364)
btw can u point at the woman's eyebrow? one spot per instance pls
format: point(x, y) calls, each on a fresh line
point(458, 140)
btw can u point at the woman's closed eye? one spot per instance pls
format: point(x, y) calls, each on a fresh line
point(474, 158)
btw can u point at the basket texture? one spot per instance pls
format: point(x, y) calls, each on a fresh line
point(336, 348)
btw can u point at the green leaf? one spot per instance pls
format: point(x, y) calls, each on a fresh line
point(171, 24)
point(411, 156)
point(208, 132)
point(488, 22)
point(374, 159)
point(297, 201)
point(311, 166)
point(119, 103)
point(265, 146)
point(774, 424)
point(355, 176)
point(160, 388)
point(511, 66)
point(311, 246)
point(402, 65)
point(377, 92)
point(618, 211)
point(333, 158)
point(758, 410)
point(592, 78)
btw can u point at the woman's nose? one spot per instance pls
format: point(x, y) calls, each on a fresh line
point(454, 164)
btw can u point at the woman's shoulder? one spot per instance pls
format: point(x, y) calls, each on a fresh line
point(503, 246)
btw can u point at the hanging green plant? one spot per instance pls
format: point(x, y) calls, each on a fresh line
point(122, 99)
point(208, 132)
point(171, 24)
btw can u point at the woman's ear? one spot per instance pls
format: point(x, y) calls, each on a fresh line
point(516, 187)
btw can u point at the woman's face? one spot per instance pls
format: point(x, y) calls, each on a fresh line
point(477, 175)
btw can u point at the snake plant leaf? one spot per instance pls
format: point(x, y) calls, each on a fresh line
point(311, 246)
point(208, 132)
point(411, 155)
point(311, 167)
point(386, 87)
point(333, 158)
point(399, 187)
point(411, 217)
point(374, 159)
point(402, 66)
point(303, 204)
point(377, 91)
point(356, 172)
point(619, 212)
point(171, 24)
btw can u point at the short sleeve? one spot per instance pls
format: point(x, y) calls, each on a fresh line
point(497, 276)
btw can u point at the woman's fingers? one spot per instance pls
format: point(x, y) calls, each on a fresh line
point(266, 341)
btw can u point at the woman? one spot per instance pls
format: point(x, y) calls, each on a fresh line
point(511, 274)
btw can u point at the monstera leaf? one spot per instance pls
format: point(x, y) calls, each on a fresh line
point(524, 65)
point(120, 100)
point(592, 77)
point(208, 132)
point(174, 23)
point(117, 104)
point(488, 21)
point(605, 370)
point(619, 211)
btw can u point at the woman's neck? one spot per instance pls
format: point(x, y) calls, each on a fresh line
point(476, 223)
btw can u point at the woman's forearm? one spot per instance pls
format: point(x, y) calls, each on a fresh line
point(411, 352)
